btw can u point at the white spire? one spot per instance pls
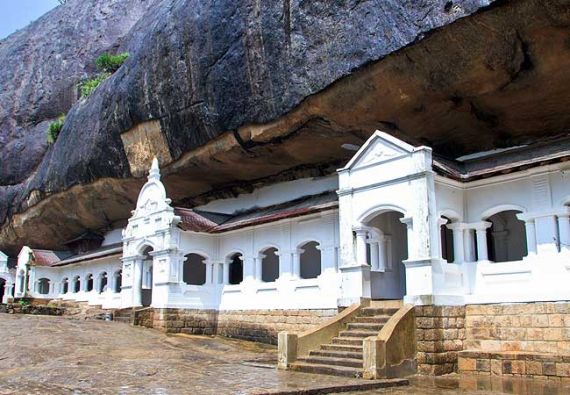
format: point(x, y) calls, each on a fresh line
point(154, 173)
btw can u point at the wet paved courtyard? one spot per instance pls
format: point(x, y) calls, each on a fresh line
point(53, 355)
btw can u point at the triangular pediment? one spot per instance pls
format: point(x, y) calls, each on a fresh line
point(379, 148)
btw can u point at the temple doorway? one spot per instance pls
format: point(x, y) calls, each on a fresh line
point(387, 248)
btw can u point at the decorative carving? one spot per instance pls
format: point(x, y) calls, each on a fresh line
point(378, 153)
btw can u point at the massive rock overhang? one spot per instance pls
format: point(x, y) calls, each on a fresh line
point(497, 78)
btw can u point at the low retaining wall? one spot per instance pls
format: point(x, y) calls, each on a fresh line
point(511, 337)
point(16, 308)
point(530, 327)
point(256, 325)
point(524, 364)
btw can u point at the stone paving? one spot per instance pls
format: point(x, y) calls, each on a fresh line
point(54, 355)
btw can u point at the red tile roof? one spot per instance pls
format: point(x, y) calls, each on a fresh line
point(192, 221)
point(47, 257)
point(197, 221)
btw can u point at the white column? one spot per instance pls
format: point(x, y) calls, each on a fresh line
point(285, 264)
point(137, 282)
point(530, 236)
point(458, 239)
point(469, 245)
point(258, 267)
point(297, 264)
point(361, 246)
point(481, 232)
point(216, 273)
point(209, 271)
point(384, 243)
point(546, 234)
point(412, 251)
point(388, 252)
point(374, 256)
point(564, 229)
point(226, 274)
point(328, 258)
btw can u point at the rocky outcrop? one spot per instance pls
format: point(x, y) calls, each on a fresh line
point(228, 94)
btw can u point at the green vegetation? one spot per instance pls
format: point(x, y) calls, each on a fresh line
point(54, 128)
point(88, 86)
point(107, 65)
point(23, 302)
point(111, 63)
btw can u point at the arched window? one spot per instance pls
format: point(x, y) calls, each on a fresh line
point(506, 238)
point(310, 260)
point(194, 271)
point(102, 282)
point(118, 281)
point(65, 286)
point(76, 284)
point(89, 282)
point(447, 251)
point(236, 269)
point(269, 265)
point(43, 286)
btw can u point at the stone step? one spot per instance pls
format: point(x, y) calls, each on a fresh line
point(337, 354)
point(369, 311)
point(351, 341)
point(367, 326)
point(373, 319)
point(342, 348)
point(387, 303)
point(331, 361)
point(325, 369)
point(357, 333)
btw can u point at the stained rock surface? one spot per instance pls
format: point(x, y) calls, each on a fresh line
point(229, 94)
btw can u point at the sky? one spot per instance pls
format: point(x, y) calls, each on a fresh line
point(16, 14)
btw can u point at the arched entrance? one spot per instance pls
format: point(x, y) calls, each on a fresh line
point(235, 269)
point(269, 265)
point(310, 260)
point(387, 248)
point(146, 280)
point(506, 238)
point(194, 270)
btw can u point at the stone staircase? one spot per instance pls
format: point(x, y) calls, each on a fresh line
point(343, 356)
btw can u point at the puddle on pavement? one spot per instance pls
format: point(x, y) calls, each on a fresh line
point(476, 385)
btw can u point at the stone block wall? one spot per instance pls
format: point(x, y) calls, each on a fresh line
point(257, 325)
point(440, 332)
point(264, 325)
point(528, 327)
point(524, 364)
point(189, 321)
point(499, 339)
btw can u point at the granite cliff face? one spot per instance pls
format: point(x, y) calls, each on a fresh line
point(229, 94)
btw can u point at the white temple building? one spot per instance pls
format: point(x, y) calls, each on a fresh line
point(394, 223)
